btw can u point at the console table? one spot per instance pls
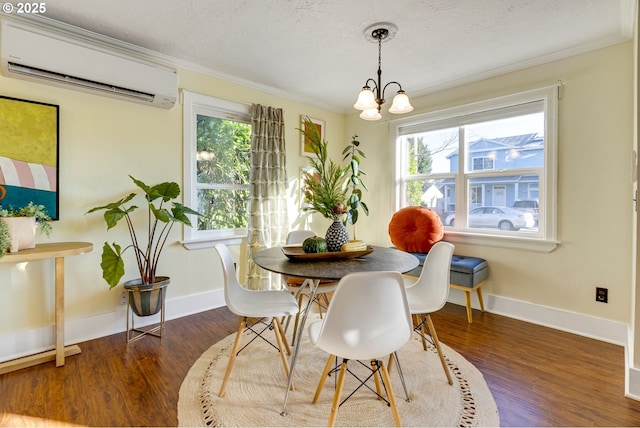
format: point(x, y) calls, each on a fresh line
point(57, 251)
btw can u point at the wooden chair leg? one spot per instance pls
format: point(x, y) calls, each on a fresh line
point(232, 357)
point(392, 398)
point(424, 332)
point(325, 374)
point(390, 362)
point(436, 342)
point(277, 331)
point(376, 377)
point(336, 397)
point(297, 320)
point(284, 337)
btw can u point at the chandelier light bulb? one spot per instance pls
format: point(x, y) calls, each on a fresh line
point(400, 104)
point(371, 114)
point(366, 100)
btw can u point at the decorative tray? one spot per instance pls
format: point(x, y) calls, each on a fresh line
point(297, 253)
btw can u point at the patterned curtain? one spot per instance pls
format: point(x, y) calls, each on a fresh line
point(268, 219)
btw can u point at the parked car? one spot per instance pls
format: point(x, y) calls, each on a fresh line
point(503, 218)
point(529, 206)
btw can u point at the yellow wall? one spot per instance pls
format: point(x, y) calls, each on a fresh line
point(594, 195)
point(102, 140)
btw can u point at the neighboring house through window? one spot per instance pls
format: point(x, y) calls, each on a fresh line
point(217, 147)
point(498, 154)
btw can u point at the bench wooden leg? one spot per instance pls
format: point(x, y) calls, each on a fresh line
point(467, 296)
point(479, 291)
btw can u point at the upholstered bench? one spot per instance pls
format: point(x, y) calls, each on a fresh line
point(467, 274)
point(416, 229)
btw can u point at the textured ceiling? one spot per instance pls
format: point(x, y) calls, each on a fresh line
point(315, 50)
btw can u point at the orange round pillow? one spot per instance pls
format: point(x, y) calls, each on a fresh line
point(415, 229)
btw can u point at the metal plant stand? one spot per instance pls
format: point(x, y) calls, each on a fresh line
point(134, 333)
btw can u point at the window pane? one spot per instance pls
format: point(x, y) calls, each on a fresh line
point(222, 208)
point(512, 143)
point(223, 148)
point(430, 152)
point(506, 202)
point(438, 195)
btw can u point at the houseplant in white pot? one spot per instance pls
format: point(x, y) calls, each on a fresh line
point(18, 226)
point(161, 217)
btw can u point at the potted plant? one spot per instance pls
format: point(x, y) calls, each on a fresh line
point(353, 153)
point(160, 221)
point(327, 185)
point(18, 226)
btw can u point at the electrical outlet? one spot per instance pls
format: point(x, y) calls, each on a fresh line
point(602, 294)
point(123, 297)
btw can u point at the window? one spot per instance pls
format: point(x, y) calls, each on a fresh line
point(217, 146)
point(485, 162)
point(475, 164)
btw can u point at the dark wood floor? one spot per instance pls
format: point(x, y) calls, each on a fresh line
point(538, 376)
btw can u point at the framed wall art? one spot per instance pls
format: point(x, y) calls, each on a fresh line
point(305, 149)
point(29, 163)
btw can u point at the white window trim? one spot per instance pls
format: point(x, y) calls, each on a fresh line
point(547, 237)
point(194, 103)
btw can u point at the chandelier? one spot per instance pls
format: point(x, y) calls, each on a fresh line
point(370, 100)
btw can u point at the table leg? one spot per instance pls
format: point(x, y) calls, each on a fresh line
point(59, 311)
point(313, 285)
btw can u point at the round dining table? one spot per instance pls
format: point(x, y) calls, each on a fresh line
point(381, 259)
point(333, 268)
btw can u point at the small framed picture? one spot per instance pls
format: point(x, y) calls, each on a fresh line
point(305, 149)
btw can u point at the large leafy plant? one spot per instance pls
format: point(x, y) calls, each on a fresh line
point(161, 220)
point(330, 189)
point(324, 191)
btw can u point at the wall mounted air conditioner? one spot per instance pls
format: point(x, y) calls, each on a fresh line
point(44, 54)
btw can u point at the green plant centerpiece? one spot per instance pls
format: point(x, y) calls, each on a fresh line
point(18, 226)
point(330, 189)
point(161, 219)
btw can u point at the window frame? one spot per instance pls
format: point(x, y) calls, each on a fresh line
point(514, 104)
point(194, 104)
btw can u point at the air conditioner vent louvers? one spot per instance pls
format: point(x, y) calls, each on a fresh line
point(76, 81)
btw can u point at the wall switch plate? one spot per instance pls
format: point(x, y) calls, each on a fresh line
point(123, 297)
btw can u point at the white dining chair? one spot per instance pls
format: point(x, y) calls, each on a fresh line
point(258, 304)
point(368, 319)
point(430, 293)
point(299, 286)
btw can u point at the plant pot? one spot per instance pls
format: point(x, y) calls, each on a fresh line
point(23, 232)
point(336, 236)
point(147, 299)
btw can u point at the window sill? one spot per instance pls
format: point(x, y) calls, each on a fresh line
point(514, 242)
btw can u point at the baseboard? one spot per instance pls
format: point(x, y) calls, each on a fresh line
point(19, 344)
point(584, 325)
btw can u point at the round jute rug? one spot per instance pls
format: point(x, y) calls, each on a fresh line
point(255, 392)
